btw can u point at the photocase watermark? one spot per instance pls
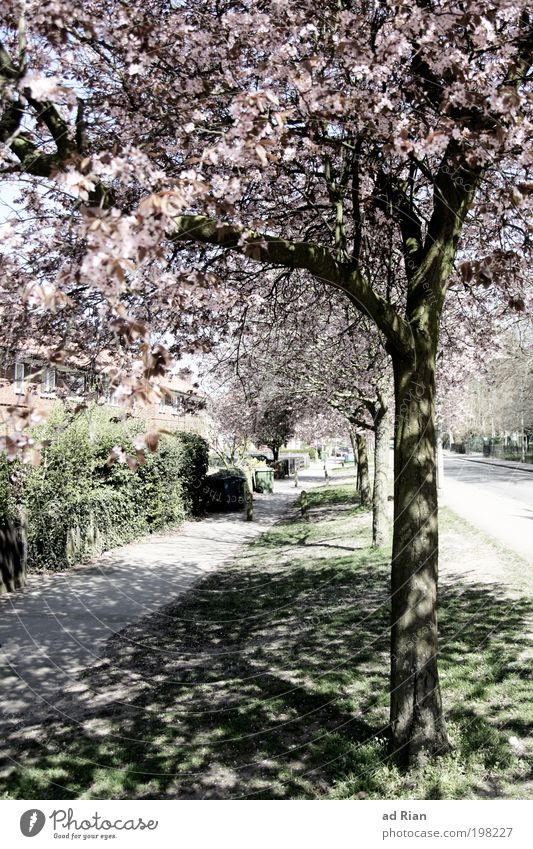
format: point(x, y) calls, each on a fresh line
point(414, 396)
point(32, 822)
point(66, 826)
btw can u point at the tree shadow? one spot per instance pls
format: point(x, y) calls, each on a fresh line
point(270, 680)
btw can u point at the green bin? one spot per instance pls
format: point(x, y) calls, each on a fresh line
point(264, 480)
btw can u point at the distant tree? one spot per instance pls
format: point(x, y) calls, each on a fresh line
point(275, 424)
point(494, 398)
point(335, 361)
point(231, 423)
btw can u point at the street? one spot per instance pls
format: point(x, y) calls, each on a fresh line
point(496, 499)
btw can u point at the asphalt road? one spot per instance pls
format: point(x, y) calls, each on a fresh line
point(496, 499)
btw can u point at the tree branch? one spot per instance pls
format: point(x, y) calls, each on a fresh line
point(58, 128)
point(314, 258)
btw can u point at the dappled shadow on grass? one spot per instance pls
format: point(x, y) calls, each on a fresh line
point(270, 680)
point(486, 665)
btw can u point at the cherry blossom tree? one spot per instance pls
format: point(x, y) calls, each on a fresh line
point(317, 425)
point(248, 403)
point(335, 360)
point(159, 148)
point(231, 421)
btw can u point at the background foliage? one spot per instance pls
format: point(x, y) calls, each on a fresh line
point(75, 505)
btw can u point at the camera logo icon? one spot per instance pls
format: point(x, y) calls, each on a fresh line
point(32, 822)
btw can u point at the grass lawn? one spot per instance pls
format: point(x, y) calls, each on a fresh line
point(269, 680)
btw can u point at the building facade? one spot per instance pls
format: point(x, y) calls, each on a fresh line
point(182, 407)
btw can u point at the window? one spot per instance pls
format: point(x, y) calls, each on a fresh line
point(93, 383)
point(74, 383)
point(48, 384)
point(19, 378)
point(168, 403)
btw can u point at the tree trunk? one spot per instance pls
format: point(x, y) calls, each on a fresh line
point(275, 452)
point(354, 451)
point(364, 482)
point(380, 512)
point(249, 498)
point(417, 724)
point(440, 460)
point(355, 461)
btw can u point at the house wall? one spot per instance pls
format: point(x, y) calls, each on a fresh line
point(189, 422)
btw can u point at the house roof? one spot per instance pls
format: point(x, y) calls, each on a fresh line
point(177, 384)
point(32, 349)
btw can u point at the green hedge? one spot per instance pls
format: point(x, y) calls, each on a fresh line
point(7, 495)
point(63, 533)
point(75, 505)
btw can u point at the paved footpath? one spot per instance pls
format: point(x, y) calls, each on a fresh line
point(57, 625)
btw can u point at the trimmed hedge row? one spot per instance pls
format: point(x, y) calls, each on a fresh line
point(95, 522)
point(195, 462)
point(75, 505)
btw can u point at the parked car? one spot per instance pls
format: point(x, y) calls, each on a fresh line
point(263, 458)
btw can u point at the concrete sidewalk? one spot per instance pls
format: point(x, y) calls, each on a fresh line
point(57, 625)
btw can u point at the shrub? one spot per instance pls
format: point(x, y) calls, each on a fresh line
point(311, 452)
point(7, 500)
point(76, 505)
point(162, 484)
point(195, 461)
point(69, 531)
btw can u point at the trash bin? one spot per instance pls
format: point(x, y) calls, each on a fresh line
point(281, 469)
point(264, 480)
point(224, 491)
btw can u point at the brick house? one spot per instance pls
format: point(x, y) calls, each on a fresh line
point(181, 409)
